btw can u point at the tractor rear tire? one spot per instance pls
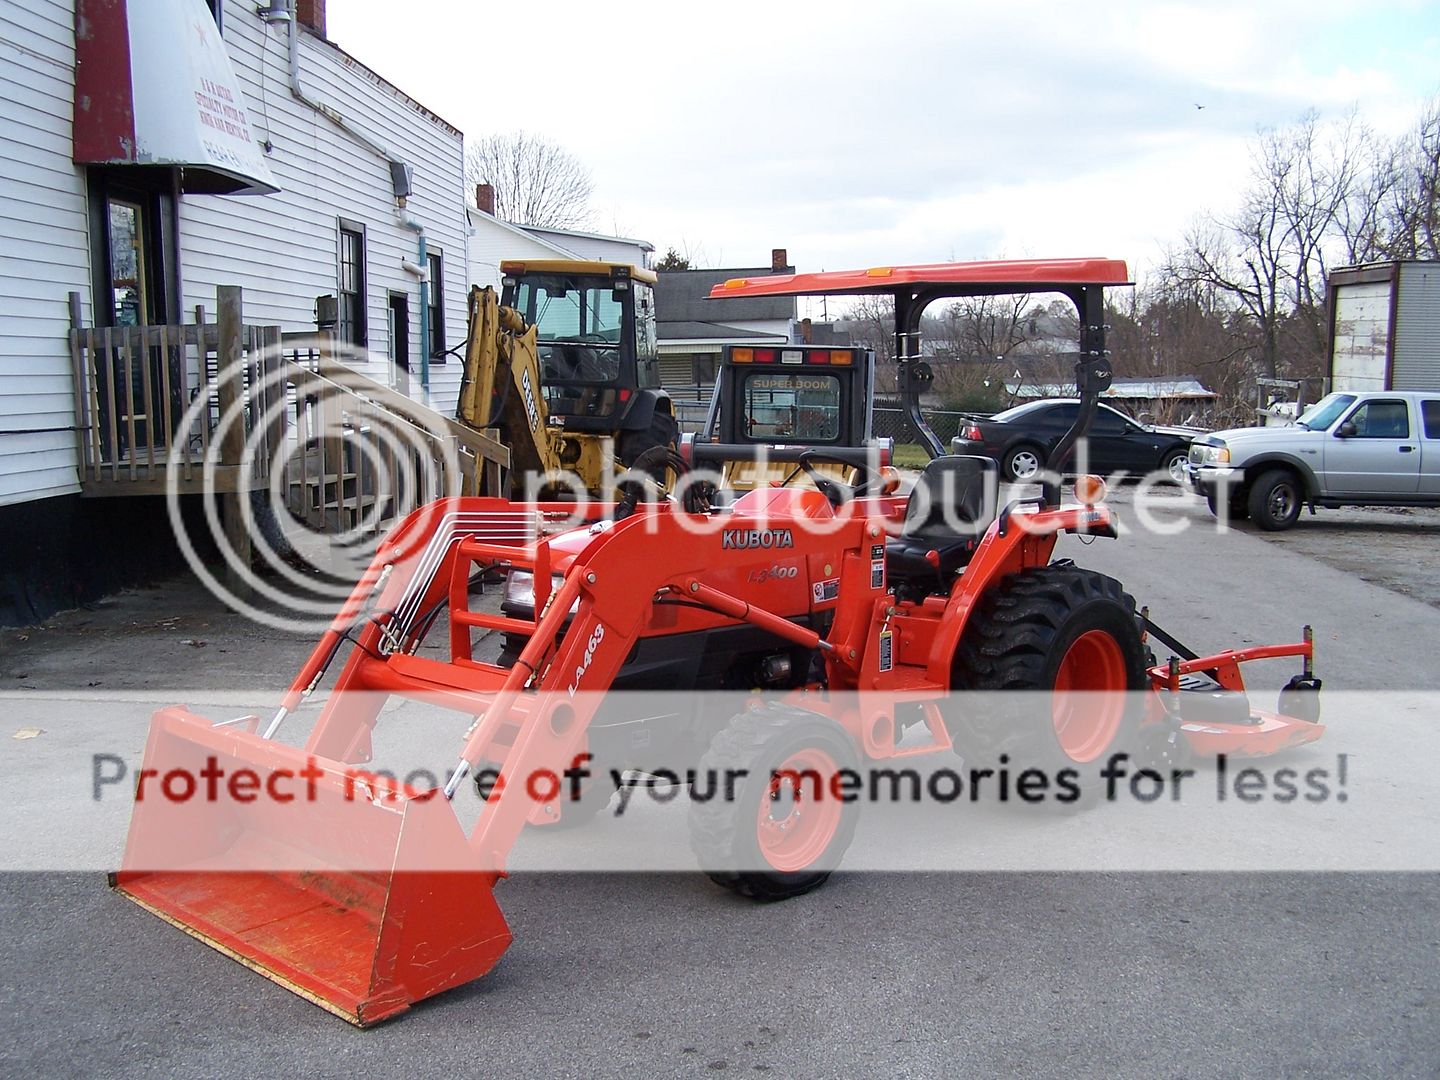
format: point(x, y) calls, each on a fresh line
point(766, 837)
point(663, 431)
point(1052, 628)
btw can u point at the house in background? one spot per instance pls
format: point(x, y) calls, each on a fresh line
point(493, 240)
point(1180, 398)
point(235, 145)
point(693, 330)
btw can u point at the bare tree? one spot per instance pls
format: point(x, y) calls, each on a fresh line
point(871, 322)
point(1412, 214)
point(1270, 257)
point(536, 182)
point(987, 328)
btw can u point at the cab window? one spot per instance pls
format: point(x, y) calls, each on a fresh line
point(1430, 414)
point(1108, 422)
point(804, 407)
point(647, 351)
point(578, 326)
point(1381, 420)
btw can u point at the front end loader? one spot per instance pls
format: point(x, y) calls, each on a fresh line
point(366, 895)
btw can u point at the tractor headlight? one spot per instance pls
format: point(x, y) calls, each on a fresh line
point(1209, 454)
point(520, 589)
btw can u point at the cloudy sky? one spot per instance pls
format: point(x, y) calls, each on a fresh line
point(856, 134)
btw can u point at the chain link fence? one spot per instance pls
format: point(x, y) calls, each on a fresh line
point(890, 424)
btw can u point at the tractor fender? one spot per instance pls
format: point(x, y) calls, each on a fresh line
point(1254, 467)
point(642, 409)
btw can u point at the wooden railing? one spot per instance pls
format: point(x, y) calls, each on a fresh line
point(221, 405)
point(362, 452)
point(145, 391)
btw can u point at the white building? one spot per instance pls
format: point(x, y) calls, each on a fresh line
point(117, 138)
point(493, 240)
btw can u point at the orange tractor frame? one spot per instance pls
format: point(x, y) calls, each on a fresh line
point(367, 895)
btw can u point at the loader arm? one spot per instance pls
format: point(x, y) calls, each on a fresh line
point(501, 357)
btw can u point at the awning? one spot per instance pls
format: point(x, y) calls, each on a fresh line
point(154, 86)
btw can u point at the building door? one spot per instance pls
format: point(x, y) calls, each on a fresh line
point(128, 228)
point(399, 319)
point(131, 293)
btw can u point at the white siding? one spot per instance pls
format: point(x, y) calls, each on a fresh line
point(44, 249)
point(492, 241)
point(602, 248)
point(283, 249)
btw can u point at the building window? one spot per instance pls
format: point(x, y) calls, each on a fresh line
point(436, 312)
point(352, 283)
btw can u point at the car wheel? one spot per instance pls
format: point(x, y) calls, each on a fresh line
point(1174, 466)
point(1275, 500)
point(1022, 464)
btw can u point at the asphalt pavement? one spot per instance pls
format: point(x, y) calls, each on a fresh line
point(918, 974)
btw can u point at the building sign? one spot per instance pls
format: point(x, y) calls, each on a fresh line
point(154, 86)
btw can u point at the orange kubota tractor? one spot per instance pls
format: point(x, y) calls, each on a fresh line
point(366, 895)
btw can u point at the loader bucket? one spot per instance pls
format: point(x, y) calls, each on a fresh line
point(358, 895)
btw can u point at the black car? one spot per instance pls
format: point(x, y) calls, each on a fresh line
point(1021, 440)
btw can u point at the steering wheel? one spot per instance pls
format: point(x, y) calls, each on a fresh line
point(868, 480)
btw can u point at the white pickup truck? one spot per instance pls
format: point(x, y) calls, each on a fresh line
point(1348, 449)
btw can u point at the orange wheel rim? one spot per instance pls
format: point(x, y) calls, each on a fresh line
point(1089, 702)
point(799, 814)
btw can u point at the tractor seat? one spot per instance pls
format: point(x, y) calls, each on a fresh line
point(950, 507)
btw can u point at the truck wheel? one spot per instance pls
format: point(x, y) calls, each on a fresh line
point(1275, 500)
point(771, 827)
point(1239, 511)
point(1022, 463)
point(663, 431)
point(1064, 630)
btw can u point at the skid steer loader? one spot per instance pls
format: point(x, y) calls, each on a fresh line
point(366, 894)
point(563, 362)
point(772, 403)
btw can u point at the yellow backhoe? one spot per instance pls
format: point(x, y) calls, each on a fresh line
point(563, 362)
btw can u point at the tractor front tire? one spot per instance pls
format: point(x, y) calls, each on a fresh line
point(1062, 631)
point(772, 826)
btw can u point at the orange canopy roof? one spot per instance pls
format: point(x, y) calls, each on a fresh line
point(1028, 275)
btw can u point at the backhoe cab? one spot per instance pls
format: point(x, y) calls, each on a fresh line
point(564, 363)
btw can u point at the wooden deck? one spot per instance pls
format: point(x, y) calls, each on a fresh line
point(227, 408)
